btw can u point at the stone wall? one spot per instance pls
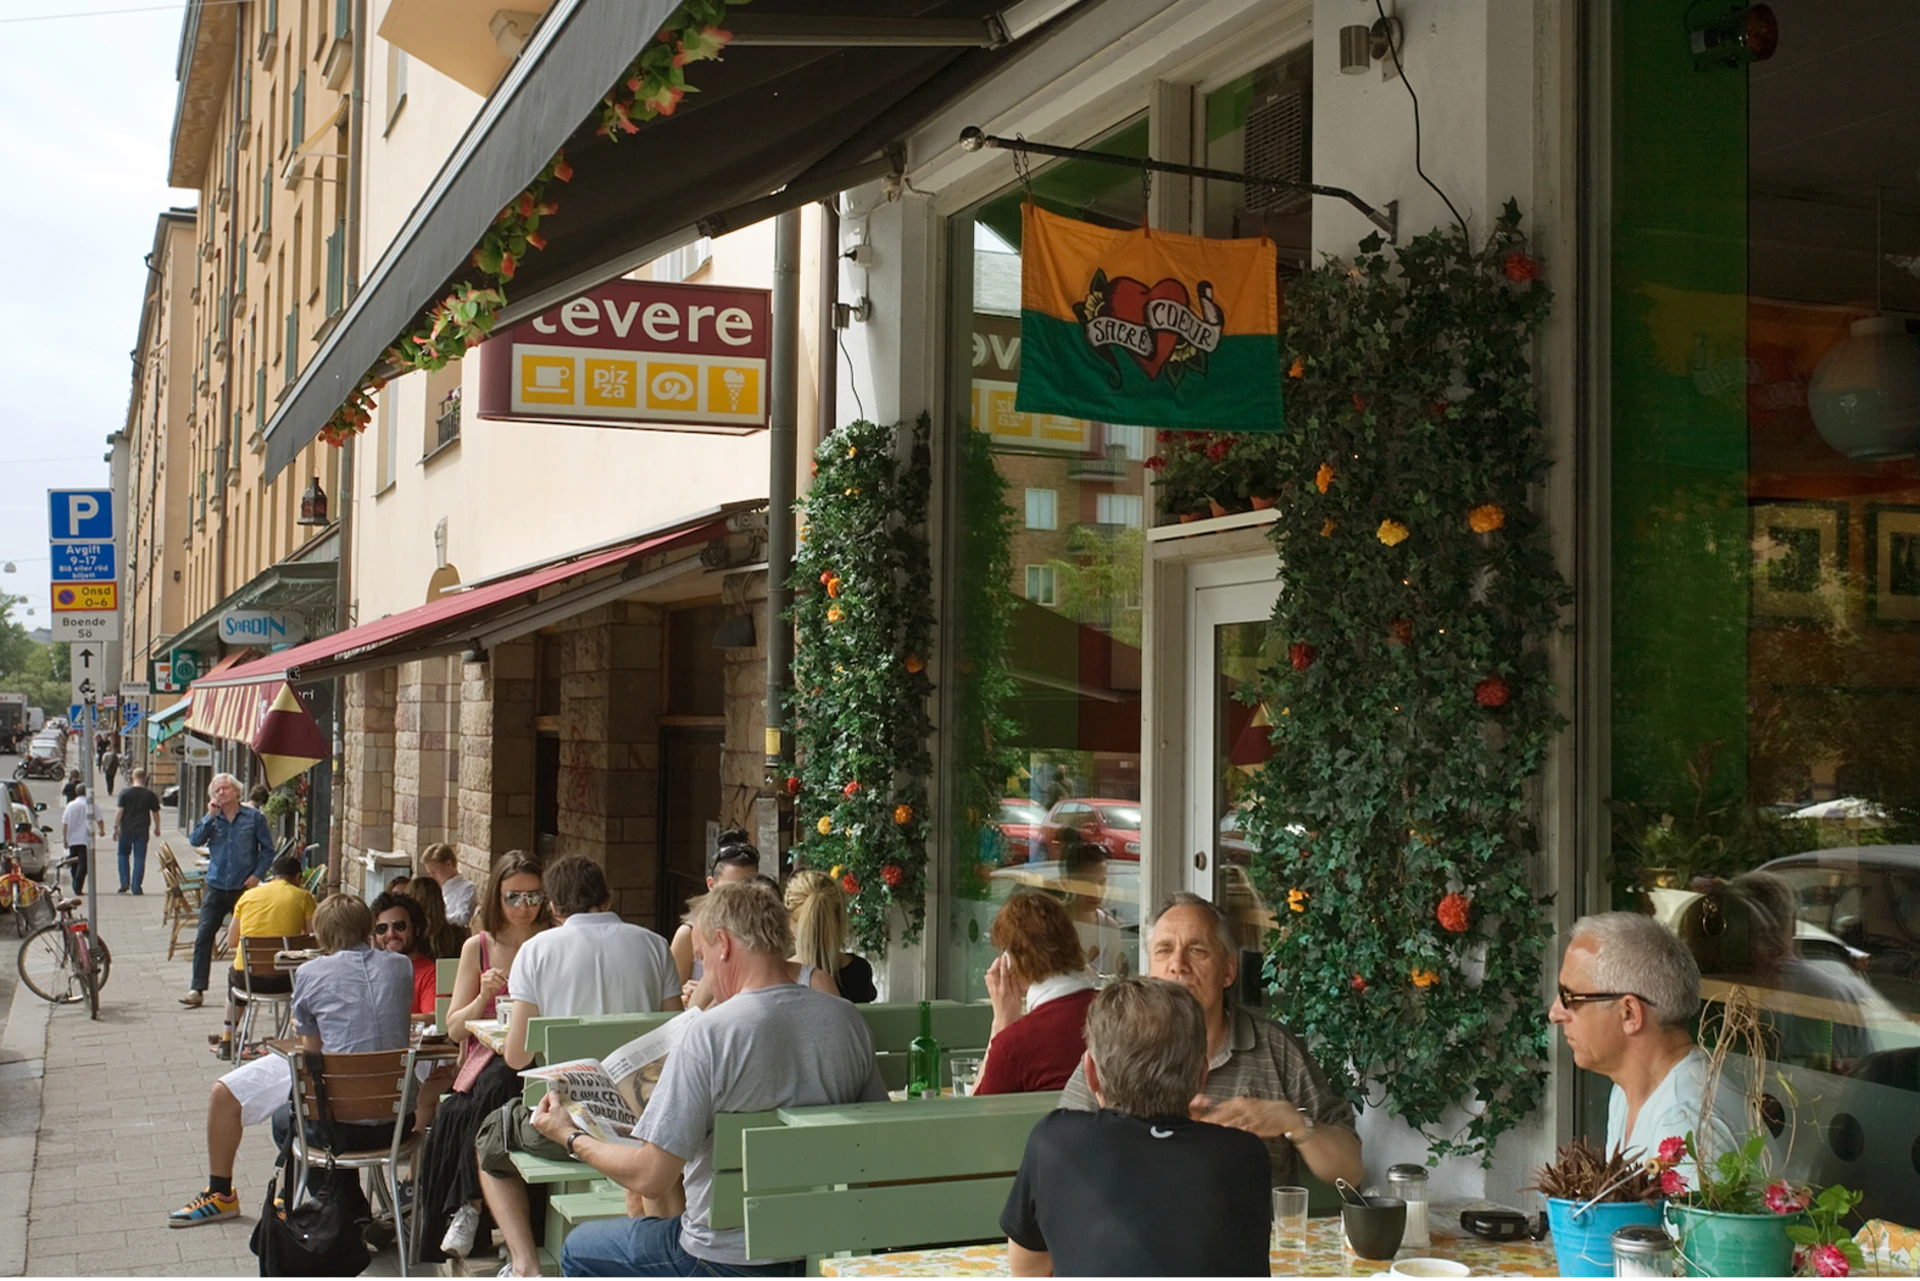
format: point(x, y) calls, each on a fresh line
point(496, 757)
point(426, 729)
point(369, 802)
point(743, 759)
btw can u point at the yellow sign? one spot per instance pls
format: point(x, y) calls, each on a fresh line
point(546, 380)
point(734, 389)
point(672, 386)
point(85, 597)
point(610, 383)
point(696, 390)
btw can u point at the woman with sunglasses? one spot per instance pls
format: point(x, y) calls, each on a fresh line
point(512, 909)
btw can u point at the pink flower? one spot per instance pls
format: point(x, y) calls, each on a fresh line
point(1828, 1261)
point(1671, 1184)
point(1782, 1198)
point(1673, 1150)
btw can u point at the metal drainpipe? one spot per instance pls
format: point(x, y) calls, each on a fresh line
point(783, 443)
point(827, 395)
point(343, 586)
point(225, 431)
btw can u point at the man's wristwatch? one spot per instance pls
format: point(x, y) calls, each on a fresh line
point(572, 1139)
point(1301, 1135)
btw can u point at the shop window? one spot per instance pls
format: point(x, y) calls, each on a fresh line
point(1047, 624)
point(1262, 123)
point(1764, 787)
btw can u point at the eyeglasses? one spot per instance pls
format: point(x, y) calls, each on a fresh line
point(1571, 999)
point(398, 927)
point(523, 898)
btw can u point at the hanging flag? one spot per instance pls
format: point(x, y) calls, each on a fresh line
point(1145, 328)
point(288, 741)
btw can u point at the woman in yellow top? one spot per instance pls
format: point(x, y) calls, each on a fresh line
point(278, 907)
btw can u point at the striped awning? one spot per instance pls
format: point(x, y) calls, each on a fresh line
point(269, 717)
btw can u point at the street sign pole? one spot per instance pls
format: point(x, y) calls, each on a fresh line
point(86, 612)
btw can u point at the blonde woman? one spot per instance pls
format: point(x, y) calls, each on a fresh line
point(818, 911)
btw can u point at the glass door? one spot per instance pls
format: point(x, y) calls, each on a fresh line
point(1229, 607)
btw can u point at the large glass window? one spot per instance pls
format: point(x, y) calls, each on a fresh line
point(1047, 625)
point(1765, 516)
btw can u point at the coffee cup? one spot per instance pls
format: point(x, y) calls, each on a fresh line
point(1429, 1268)
point(1374, 1230)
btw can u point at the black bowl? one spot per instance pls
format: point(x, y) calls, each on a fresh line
point(1374, 1230)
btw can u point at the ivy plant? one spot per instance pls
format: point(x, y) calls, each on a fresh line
point(1411, 703)
point(863, 624)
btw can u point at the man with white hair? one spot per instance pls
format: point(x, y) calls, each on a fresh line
point(1259, 1077)
point(239, 849)
point(1628, 992)
point(766, 1042)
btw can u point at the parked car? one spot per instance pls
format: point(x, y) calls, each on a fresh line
point(1862, 898)
point(1109, 821)
point(1022, 825)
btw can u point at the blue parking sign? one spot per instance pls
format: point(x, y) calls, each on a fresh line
point(81, 515)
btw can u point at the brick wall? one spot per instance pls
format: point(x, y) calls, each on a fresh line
point(369, 802)
point(496, 758)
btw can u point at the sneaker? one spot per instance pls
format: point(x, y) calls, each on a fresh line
point(192, 999)
point(121, 890)
point(205, 1208)
point(458, 1241)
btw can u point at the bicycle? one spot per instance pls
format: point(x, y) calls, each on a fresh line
point(65, 961)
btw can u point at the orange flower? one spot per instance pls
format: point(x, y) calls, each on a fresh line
point(914, 665)
point(1392, 533)
point(835, 614)
point(1323, 479)
point(902, 815)
point(1327, 528)
point(1297, 900)
point(1424, 978)
point(1486, 518)
point(833, 586)
point(1298, 369)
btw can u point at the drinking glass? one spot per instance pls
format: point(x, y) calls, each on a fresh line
point(1290, 1218)
point(966, 1071)
point(503, 1009)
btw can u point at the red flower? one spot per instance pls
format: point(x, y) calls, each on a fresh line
point(537, 240)
point(850, 884)
point(526, 204)
point(892, 875)
point(1783, 1198)
point(1219, 449)
point(1301, 655)
point(1520, 268)
point(1452, 913)
point(1492, 692)
point(1828, 1261)
point(793, 785)
point(849, 790)
point(1156, 463)
point(1402, 631)
point(1359, 403)
point(826, 576)
point(506, 266)
point(1359, 984)
point(1673, 1150)
point(561, 169)
point(1671, 1184)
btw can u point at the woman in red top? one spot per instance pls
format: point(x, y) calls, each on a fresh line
point(1040, 989)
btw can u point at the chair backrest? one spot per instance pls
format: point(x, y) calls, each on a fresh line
point(167, 860)
point(361, 1088)
point(257, 951)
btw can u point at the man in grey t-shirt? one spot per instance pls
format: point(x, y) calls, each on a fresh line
point(767, 1043)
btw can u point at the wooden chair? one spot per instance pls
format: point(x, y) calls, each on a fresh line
point(180, 908)
point(257, 961)
point(361, 1089)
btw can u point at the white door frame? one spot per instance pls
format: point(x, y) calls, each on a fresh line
point(1219, 593)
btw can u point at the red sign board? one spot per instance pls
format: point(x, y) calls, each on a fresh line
point(636, 353)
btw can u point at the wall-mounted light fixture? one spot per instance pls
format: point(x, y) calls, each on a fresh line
point(736, 633)
point(313, 504)
point(1743, 33)
point(1363, 44)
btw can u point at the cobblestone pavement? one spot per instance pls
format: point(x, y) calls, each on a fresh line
point(122, 1130)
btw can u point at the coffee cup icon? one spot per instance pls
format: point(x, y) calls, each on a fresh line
point(550, 377)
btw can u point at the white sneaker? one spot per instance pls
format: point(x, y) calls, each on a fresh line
point(458, 1241)
point(192, 999)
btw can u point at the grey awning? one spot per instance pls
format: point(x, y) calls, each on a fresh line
point(309, 585)
point(809, 119)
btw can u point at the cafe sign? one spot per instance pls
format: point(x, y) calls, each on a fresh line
point(636, 353)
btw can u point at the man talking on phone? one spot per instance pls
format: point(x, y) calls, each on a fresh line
point(239, 852)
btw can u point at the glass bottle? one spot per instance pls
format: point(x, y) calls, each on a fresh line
point(1409, 1183)
point(923, 1057)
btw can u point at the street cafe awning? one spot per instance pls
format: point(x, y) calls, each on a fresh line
point(813, 97)
point(163, 725)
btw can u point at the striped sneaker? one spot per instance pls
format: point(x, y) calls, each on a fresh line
point(208, 1207)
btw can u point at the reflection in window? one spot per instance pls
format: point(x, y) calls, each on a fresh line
point(1042, 510)
point(1042, 585)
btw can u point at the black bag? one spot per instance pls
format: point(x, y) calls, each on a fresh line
point(322, 1236)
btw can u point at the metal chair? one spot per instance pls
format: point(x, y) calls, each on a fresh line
point(361, 1088)
point(257, 960)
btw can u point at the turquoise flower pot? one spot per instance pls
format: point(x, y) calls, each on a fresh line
point(1714, 1243)
point(1583, 1239)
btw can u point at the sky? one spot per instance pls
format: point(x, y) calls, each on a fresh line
point(86, 114)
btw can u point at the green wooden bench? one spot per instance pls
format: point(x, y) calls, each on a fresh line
point(446, 970)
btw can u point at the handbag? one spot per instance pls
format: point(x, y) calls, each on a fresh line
point(475, 1062)
point(322, 1236)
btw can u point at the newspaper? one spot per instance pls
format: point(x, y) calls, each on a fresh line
point(606, 1097)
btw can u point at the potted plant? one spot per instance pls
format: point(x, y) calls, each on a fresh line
point(1184, 474)
point(1589, 1196)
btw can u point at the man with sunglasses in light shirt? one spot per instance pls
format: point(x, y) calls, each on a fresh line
point(1628, 992)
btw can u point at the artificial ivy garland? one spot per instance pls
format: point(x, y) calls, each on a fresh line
point(863, 623)
point(1410, 700)
point(652, 85)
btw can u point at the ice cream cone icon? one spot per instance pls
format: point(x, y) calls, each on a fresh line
point(736, 382)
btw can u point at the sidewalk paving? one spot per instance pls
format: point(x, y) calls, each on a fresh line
point(122, 1130)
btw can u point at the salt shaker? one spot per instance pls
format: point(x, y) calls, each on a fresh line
point(1642, 1250)
point(1409, 1183)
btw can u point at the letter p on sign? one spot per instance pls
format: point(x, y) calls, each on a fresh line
point(81, 515)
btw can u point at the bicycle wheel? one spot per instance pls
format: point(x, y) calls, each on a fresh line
point(102, 960)
point(90, 978)
point(46, 964)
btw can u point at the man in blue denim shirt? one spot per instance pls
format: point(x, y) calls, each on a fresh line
point(239, 852)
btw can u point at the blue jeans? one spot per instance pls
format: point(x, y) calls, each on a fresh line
point(647, 1248)
point(215, 903)
point(137, 847)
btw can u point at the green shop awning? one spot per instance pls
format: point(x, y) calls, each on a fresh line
point(162, 726)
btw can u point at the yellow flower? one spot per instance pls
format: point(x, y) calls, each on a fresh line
point(1425, 978)
point(1391, 532)
point(835, 614)
point(837, 869)
point(824, 826)
point(1326, 530)
point(1298, 369)
point(852, 450)
point(1297, 900)
point(1323, 479)
point(1486, 518)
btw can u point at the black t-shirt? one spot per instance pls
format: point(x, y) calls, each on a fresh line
point(856, 981)
point(136, 805)
point(1107, 1194)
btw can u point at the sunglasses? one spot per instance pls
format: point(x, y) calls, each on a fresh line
point(1571, 999)
point(523, 898)
point(397, 927)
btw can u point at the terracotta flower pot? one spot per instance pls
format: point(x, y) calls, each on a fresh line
point(1187, 518)
point(1262, 504)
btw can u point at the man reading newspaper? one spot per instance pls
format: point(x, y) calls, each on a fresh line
point(766, 1043)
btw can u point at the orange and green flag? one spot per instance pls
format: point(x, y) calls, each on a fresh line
point(1146, 328)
